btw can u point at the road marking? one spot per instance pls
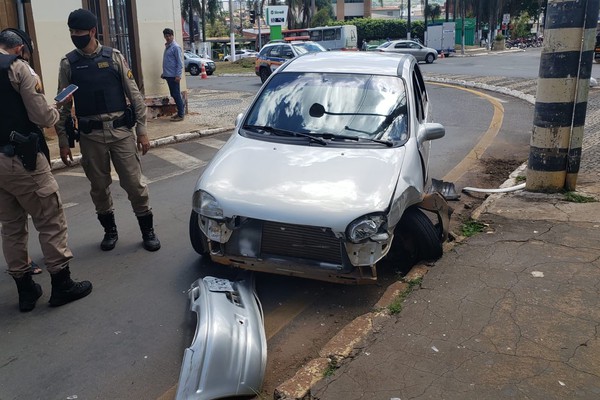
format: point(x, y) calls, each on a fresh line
point(178, 158)
point(211, 142)
point(486, 140)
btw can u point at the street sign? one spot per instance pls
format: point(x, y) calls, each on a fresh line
point(505, 18)
point(277, 15)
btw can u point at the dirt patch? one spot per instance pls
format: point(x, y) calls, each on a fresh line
point(488, 173)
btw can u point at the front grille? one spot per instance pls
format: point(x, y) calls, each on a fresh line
point(308, 242)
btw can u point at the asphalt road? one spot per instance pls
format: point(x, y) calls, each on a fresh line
point(127, 338)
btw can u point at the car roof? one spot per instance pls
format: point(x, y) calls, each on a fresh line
point(355, 62)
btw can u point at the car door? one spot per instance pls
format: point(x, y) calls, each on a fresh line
point(275, 57)
point(418, 51)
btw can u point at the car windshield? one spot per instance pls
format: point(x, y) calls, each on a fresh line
point(328, 104)
point(310, 47)
point(384, 45)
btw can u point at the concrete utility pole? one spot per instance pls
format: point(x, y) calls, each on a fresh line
point(231, 32)
point(408, 21)
point(562, 94)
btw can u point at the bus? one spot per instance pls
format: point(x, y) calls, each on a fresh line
point(341, 37)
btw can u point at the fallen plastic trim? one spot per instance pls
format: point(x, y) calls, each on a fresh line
point(228, 355)
point(501, 190)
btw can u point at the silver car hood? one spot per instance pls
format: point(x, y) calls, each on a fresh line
point(298, 184)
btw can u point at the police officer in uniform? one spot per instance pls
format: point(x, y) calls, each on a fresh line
point(105, 122)
point(27, 185)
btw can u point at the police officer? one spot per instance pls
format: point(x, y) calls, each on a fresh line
point(26, 182)
point(105, 123)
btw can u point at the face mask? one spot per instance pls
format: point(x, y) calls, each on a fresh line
point(81, 41)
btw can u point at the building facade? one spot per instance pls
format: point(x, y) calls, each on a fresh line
point(132, 26)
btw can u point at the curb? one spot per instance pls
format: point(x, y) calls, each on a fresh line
point(57, 163)
point(345, 342)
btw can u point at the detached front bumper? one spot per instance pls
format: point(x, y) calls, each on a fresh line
point(228, 355)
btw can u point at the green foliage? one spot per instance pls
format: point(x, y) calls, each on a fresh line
point(331, 367)
point(521, 26)
point(321, 18)
point(499, 37)
point(471, 227)
point(396, 306)
point(579, 198)
point(326, 5)
point(381, 29)
point(217, 28)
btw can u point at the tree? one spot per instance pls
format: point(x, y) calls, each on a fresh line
point(433, 12)
point(321, 18)
point(520, 26)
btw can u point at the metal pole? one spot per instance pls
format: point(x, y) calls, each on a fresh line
point(231, 32)
point(258, 15)
point(562, 94)
point(408, 22)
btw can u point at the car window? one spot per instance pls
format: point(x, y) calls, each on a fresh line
point(369, 106)
point(275, 51)
point(287, 52)
point(401, 46)
point(308, 47)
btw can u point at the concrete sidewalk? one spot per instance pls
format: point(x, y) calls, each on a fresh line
point(511, 312)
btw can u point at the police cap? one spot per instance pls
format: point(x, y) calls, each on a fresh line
point(82, 19)
point(24, 37)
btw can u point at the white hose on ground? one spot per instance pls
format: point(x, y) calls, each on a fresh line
point(501, 190)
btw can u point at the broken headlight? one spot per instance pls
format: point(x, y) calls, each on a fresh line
point(372, 226)
point(206, 205)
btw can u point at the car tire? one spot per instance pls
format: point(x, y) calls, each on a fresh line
point(264, 74)
point(194, 70)
point(429, 58)
point(416, 237)
point(198, 239)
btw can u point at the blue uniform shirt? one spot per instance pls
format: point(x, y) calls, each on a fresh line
point(172, 61)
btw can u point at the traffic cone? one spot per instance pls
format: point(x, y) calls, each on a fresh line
point(203, 74)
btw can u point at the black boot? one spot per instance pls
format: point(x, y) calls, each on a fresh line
point(29, 292)
point(110, 231)
point(64, 290)
point(151, 242)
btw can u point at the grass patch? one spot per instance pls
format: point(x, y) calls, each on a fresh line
point(579, 198)
point(520, 179)
point(471, 227)
point(331, 367)
point(396, 306)
point(243, 66)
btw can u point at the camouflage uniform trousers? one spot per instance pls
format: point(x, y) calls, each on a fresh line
point(96, 158)
point(34, 193)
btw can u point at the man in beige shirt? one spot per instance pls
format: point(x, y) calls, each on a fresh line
point(106, 122)
point(27, 186)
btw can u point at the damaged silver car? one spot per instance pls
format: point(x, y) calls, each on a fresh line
point(325, 173)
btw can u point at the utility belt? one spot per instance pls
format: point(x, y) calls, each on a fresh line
point(25, 146)
point(87, 125)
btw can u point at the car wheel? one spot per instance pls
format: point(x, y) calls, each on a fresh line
point(430, 58)
point(264, 74)
point(194, 70)
point(416, 237)
point(197, 238)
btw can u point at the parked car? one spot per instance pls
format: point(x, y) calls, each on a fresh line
point(273, 54)
point(241, 54)
point(420, 52)
point(193, 64)
point(325, 172)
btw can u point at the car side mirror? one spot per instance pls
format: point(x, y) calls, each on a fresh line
point(430, 131)
point(238, 119)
